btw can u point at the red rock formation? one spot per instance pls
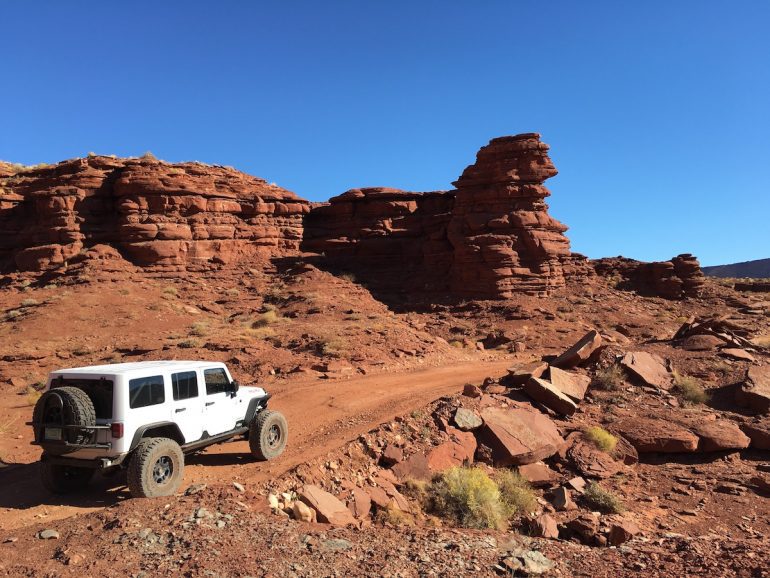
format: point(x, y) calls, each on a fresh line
point(158, 215)
point(675, 279)
point(490, 238)
point(503, 237)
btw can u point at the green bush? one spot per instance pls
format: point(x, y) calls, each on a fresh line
point(515, 492)
point(468, 497)
point(689, 389)
point(609, 378)
point(603, 500)
point(601, 438)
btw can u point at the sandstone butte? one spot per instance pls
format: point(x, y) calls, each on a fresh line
point(491, 237)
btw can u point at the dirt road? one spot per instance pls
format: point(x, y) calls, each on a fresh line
point(322, 415)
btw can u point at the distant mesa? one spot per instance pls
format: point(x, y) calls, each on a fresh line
point(759, 269)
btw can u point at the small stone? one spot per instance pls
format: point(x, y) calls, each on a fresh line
point(562, 500)
point(273, 501)
point(48, 535)
point(238, 486)
point(471, 390)
point(545, 526)
point(195, 489)
point(466, 420)
point(622, 532)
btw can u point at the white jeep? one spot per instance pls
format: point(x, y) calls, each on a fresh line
point(145, 417)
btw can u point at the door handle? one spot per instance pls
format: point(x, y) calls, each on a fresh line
point(180, 409)
point(208, 403)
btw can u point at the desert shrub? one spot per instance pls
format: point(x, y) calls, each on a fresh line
point(457, 343)
point(602, 500)
point(188, 343)
point(148, 155)
point(169, 292)
point(348, 277)
point(30, 302)
point(267, 318)
point(515, 492)
point(601, 438)
point(689, 389)
point(415, 489)
point(199, 328)
point(468, 497)
point(609, 378)
point(12, 314)
point(31, 394)
point(394, 517)
point(333, 347)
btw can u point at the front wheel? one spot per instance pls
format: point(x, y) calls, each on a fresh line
point(156, 468)
point(59, 479)
point(268, 433)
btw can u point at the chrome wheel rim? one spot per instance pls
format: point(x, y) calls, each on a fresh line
point(273, 435)
point(162, 470)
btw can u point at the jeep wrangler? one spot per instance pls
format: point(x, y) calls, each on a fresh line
point(145, 417)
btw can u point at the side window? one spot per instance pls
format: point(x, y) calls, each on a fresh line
point(216, 380)
point(184, 385)
point(145, 391)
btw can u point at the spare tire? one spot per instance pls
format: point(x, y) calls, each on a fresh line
point(64, 406)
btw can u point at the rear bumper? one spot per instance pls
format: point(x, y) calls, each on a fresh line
point(101, 463)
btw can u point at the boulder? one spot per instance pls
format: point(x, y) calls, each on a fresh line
point(579, 352)
point(720, 435)
point(544, 526)
point(550, 396)
point(471, 390)
point(649, 368)
point(593, 462)
point(561, 498)
point(360, 503)
point(328, 508)
point(573, 385)
point(415, 468)
point(518, 435)
point(392, 455)
point(759, 434)
point(303, 512)
point(622, 531)
point(466, 420)
point(585, 527)
point(701, 342)
point(737, 354)
point(754, 392)
point(520, 374)
point(649, 435)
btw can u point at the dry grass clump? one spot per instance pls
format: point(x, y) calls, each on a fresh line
point(515, 492)
point(199, 328)
point(601, 438)
point(348, 277)
point(689, 389)
point(468, 497)
point(267, 318)
point(332, 347)
point(30, 302)
point(603, 500)
point(189, 343)
point(609, 378)
point(394, 517)
point(169, 292)
point(233, 292)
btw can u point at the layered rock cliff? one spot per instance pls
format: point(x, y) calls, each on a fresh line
point(490, 238)
point(158, 215)
point(675, 279)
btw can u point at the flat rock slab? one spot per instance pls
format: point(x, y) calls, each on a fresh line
point(754, 392)
point(593, 462)
point(550, 396)
point(328, 508)
point(573, 385)
point(738, 354)
point(649, 368)
point(520, 374)
point(579, 352)
point(701, 342)
point(519, 435)
point(538, 474)
point(650, 435)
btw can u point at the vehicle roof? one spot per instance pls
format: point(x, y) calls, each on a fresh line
point(123, 368)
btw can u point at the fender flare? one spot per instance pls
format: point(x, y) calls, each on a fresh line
point(139, 433)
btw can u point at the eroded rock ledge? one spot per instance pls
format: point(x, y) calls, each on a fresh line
point(159, 215)
point(492, 237)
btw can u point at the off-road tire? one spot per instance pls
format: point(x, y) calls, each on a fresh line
point(268, 434)
point(156, 468)
point(76, 409)
point(59, 479)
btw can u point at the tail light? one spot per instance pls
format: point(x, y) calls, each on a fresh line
point(116, 429)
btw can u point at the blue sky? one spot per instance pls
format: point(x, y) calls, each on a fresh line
point(657, 112)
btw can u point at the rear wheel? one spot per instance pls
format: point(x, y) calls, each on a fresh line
point(268, 434)
point(59, 479)
point(156, 468)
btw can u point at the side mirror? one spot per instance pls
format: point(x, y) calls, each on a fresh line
point(233, 387)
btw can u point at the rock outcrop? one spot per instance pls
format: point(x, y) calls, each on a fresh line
point(492, 237)
point(157, 215)
point(675, 279)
